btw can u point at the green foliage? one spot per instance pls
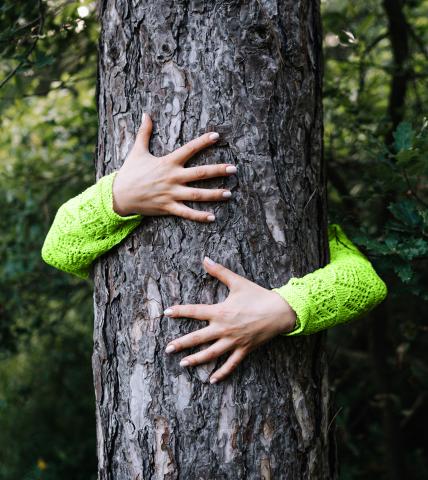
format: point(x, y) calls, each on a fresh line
point(47, 138)
point(402, 248)
point(52, 161)
point(378, 191)
point(403, 137)
point(44, 46)
point(46, 421)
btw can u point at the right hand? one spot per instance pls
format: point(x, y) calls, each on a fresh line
point(149, 185)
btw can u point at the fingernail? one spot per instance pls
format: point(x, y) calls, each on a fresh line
point(231, 169)
point(227, 194)
point(170, 348)
point(214, 136)
point(168, 311)
point(184, 363)
point(209, 261)
point(143, 118)
point(211, 218)
point(213, 380)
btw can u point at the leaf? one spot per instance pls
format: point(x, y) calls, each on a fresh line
point(374, 247)
point(403, 137)
point(413, 248)
point(404, 157)
point(424, 216)
point(42, 60)
point(391, 242)
point(404, 271)
point(406, 212)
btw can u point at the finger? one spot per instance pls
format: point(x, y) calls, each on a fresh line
point(195, 311)
point(203, 172)
point(181, 210)
point(208, 354)
point(202, 194)
point(184, 153)
point(144, 133)
point(226, 276)
point(228, 366)
point(193, 339)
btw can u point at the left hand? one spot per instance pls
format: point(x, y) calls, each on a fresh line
point(251, 315)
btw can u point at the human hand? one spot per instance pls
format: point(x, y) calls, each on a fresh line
point(150, 185)
point(250, 316)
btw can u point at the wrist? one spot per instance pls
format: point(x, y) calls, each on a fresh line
point(121, 204)
point(287, 317)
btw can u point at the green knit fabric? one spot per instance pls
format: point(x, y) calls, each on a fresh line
point(345, 289)
point(84, 228)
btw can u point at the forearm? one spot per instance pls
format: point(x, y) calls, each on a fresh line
point(345, 289)
point(84, 228)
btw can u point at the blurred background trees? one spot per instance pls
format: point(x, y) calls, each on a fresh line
point(47, 140)
point(376, 144)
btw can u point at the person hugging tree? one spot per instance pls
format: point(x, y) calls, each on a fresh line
point(99, 218)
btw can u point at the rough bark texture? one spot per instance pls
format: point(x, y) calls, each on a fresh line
point(252, 71)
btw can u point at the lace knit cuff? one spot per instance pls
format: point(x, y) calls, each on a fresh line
point(296, 295)
point(345, 289)
point(85, 227)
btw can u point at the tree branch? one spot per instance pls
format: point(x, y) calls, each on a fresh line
point(30, 50)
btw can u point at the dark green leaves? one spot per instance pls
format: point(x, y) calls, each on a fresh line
point(403, 137)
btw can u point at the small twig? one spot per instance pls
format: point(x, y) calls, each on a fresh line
point(29, 51)
point(333, 419)
point(362, 63)
point(309, 200)
point(28, 24)
point(412, 192)
point(418, 41)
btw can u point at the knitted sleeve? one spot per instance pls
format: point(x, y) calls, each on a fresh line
point(347, 288)
point(84, 228)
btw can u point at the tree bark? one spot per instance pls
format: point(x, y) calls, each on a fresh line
point(251, 71)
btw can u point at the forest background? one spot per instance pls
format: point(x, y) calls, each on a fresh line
point(376, 144)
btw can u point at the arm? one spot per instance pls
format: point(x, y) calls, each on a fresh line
point(92, 223)
point(84, 228)
point(347, 288)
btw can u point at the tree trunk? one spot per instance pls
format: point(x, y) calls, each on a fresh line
point(251, 71)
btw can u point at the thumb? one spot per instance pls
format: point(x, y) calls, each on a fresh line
point(144, 133)
point(226, 276)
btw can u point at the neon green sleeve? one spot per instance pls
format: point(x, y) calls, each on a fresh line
point(346, 288)
point(84, 228)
